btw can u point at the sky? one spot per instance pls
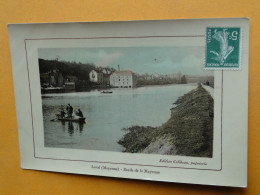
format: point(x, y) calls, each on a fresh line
point(161, 60)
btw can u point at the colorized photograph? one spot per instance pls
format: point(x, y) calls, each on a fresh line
point(153, 100)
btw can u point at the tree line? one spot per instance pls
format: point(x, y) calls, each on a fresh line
point(67, 68)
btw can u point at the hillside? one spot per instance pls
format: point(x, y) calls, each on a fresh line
point(67, 68)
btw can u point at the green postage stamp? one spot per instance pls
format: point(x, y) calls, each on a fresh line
point(223, 48)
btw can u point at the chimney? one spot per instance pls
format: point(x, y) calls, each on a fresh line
point(118, 67)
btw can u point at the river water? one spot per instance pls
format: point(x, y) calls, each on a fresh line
point(107, 114)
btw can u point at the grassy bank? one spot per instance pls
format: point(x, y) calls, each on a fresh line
point(188, 132)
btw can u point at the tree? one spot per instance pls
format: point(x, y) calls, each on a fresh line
point(183, 79)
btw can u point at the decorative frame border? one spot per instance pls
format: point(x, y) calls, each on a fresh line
point(144, 165)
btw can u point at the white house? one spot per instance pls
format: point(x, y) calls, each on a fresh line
point(123, 79)
point(96, 76)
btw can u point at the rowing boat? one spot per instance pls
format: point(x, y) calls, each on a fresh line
point(73, 119)
point(79, 120)
point(107, 92)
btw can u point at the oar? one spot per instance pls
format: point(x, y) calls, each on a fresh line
point(55, 119)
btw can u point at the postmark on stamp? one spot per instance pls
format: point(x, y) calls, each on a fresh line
point(223, 48)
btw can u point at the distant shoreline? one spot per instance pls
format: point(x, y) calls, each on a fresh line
point(111, 88)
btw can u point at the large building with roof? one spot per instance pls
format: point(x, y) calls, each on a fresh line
point(123, 79)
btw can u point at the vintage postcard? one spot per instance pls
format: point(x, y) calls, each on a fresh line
point(152, 100)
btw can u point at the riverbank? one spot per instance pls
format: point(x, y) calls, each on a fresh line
point(188, 132)
point(89, 88)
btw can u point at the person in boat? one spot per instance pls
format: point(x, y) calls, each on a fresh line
point(79, 113)
point(62, 113)
point(67, 108)
point(69, 111)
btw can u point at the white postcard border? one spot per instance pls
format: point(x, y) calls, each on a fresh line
point(185, 176)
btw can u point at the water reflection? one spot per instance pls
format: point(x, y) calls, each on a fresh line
point(72, 127)
point(107, 114)
point(63, 126)
point(80, 125)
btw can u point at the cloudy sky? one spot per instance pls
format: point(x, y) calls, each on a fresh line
point(163, 60)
